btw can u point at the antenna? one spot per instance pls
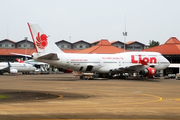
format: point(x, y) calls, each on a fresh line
point(124, 33)
point(26, 38)
point(69, 38)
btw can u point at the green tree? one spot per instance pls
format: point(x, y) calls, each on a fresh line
point(153, 43)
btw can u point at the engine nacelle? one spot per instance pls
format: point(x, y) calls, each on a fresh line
point(13, 71)
point(148, 72)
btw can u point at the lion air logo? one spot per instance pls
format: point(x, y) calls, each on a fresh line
point(41, 40)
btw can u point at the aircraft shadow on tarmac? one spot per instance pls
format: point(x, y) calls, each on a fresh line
point(71, 78)
point(87, 116)
point(55, 79)
point(77, 79)
point(143, 80)
point(25, 96)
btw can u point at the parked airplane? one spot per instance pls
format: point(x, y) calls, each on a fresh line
point(41, 66)
point(15, 67)
point(31, 61)
point(144, 63)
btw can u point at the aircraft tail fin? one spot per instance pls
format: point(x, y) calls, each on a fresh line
point(19, 60)
point(42, 42)
point(9, 65)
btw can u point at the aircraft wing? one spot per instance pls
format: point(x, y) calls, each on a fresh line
point(128, 69)
point(21, 54)
point(6, 69)
point(50, 56)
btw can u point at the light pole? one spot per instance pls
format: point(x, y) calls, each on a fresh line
point(124, 33)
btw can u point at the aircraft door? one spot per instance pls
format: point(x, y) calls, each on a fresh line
point(120, 62)
point(67, 62)
point(89, 68)
point(99, 62)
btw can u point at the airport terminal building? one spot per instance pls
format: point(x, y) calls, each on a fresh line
point(170, 49)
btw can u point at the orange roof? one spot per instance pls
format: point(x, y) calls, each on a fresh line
point(171, 47)
point(165, 49)
point(104, 43)
point(172, 40)
point(3, 51)
point(103, 47)
point(16, 50)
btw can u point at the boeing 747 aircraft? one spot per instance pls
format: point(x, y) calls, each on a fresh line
point(144, 63)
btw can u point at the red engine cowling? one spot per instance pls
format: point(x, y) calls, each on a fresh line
point(148, 72)
point(68, 71)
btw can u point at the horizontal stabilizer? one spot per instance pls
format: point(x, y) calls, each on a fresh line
point(21, 54)
point(50, 56)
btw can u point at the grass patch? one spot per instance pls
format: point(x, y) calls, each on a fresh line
point(3, 96)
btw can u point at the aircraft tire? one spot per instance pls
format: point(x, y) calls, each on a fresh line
point(1, 73)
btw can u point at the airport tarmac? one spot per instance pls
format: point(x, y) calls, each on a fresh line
point(62, 96)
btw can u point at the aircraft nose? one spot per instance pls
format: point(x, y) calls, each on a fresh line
point(168, 64)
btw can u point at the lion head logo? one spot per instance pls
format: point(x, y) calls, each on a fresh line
point(41, 40)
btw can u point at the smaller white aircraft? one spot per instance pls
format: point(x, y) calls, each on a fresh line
point(31, 61)
point(41, 66)
point(15, 67)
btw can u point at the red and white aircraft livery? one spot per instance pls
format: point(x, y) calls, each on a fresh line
point(145, 63)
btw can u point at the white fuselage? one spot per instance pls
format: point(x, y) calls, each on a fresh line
point(105, 63)
point(20, 67)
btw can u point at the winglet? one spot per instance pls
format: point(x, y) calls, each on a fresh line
point(143, 62)
point(9, 65)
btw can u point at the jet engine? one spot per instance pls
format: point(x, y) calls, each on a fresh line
point(148, 72)
point(13, 70)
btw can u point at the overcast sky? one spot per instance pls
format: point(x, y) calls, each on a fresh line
point(92, 20)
